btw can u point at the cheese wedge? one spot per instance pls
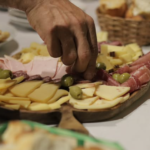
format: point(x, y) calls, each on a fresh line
point(102, 105)
point(15, 107)
point(111, 92)
point(89, 85)
point(84, 102)
point(3, 91)
point(6, 83)
point(25, 88)
point(63, 100)
point(44, 93)
point(23, 104)
point(6, 98)
point(125, 98)
point(38, 106)
point(89, 91)
point(54, 106)
point(59, 93)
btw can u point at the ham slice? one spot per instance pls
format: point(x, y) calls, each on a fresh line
point(13, 64)
point(62, 70)
point(142, 60)
point(44, 66)
point(133, 83)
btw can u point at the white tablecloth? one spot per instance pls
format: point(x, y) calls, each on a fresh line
point(130, 128)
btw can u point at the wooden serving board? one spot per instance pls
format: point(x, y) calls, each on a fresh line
point(70, 118)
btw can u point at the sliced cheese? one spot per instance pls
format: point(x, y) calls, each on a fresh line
point(3, 91)
point(102, 36)
point(8, 94)
point(19, 79)
point(44, 93)
point(111, 92)
point(38, 106)
point(100, 105)
point(59, 93)
point(23, 104)
point(25, 88)
point(125, 98)
point(89, 85)
point(6, 83)
point(89, 91)
point(84, 102)
point(54, 106)
point(6, 98)
point(63, 100)
point(16, 107)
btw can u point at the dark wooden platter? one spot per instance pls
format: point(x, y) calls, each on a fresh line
point(70, 118)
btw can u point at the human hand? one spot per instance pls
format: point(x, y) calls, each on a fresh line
point(68, 32)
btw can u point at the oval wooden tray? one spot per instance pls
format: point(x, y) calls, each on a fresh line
point(70, 118)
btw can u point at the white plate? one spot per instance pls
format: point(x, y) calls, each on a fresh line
point(10, 29)
point(79, 4)
point(17, 13)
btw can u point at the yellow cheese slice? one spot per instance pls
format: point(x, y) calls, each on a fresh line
point(102, 36)
point(6, 83)
point(44, 93)
point(16, 107)
point(125, 98)
point(89, 91)
point(84, 102)
point(102, 105)
point(19, 79)
point(38, 106)
point(135, 47)
point(89, 85)
point(54, 106)
point(25, 88)
point(6, 98)
point(23, 104)
point(9, 94)
point(59, 93)
point(111, 92)
point(3, 91)
point(63, 100)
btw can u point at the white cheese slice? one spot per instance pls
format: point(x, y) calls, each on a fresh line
point(111, 92)
point(102, 105)
point(89, 91)
point(84, 102)
point(125, 98)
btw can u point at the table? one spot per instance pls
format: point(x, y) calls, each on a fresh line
point(131, 128)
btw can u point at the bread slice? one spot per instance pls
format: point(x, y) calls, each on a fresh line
point(113, 7)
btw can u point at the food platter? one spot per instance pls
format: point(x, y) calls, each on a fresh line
point(70, 118)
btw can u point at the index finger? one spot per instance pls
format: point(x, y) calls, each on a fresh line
point(92, 39)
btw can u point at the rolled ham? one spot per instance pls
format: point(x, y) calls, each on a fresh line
point(123, 69)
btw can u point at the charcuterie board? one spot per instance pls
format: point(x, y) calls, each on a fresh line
point(70, 118)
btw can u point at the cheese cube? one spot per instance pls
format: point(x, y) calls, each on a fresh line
point(138, 54)
point(102, 36)
point(116, 61)
point(126, 57)
point(25, 88)
point(111, 92)
point(44, 93)
point(104, 50)
point(135, 47)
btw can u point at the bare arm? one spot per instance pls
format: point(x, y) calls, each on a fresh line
point(68, 32)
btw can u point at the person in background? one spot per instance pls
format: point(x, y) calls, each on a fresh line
point(67, 31)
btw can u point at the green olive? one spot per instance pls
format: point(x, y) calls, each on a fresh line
point(124, 77)
point(76, 92)
point(67, 81)
point(4, 74)
point(101, 65)
point(116, 76)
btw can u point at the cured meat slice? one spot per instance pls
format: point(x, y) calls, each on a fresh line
point(144, 78)
point(44, 66)
point(13, 64)
point(103, 75)
point(142, 60)
point(133, 83)
point(136, 67)
point(124, 69)
point(61, 72)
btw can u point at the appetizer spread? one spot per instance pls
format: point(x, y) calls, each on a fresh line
point(32, 136)
point(43, 83)
point(4, 36)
